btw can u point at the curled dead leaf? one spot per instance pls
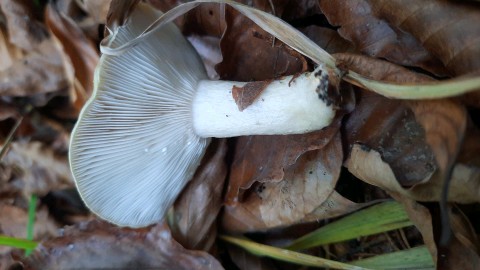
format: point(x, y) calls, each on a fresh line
point(100, 245)
point(42, 66)
point(251, 54)
point(373, 34)
point(264, 158)
point(38, 169)
point(367, 165)
point(301, 190)
point(195, 211)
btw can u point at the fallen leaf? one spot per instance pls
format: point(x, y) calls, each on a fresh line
point(38, 169)
point(328, 39)
point(378, 69)
point(264, 158)
point(100, 245)
point(441, 123)
point(8, 111)
point(118, 12)
point(97, 9)
point(389, 127)
point(373, 34)
point(197, 207)
point(43, 67)
point(334, 206)
point(447, 29)
point(305, 186)
point(251, 54)
point(367, 165)
point(297, 9)
point(444, 122)
point(78, 47)
point(244, 96)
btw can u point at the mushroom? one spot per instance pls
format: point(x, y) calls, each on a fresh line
point(142, 134)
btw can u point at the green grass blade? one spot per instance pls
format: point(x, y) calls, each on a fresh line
point(375, 219)
point(32, 206)
point(287, 255)
point(414, 258)
point(17, 243)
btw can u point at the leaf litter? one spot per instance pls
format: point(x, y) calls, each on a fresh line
point(267, 184)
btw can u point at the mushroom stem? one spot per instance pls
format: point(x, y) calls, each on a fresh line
point(287, 106)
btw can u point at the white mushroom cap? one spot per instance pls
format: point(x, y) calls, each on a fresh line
point(133, 148)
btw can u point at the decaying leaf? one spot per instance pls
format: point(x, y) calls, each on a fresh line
point(97, 9)
point(447, 29)
point(37, 169)
point(244, 96)
point(438, 123)
point(328, 39)
point(373, 35)
point(100, 245)
point(305, 186)
point(444, 122)
point(251, 54)
point(42, 66)
point(79, 48)
point(368, 165)
point(389, 127)
point(196, 210)
point(264, 158)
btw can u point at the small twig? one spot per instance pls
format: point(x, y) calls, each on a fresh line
point(11, 134)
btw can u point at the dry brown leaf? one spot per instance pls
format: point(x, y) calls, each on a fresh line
point(264, 158)
point(373, 35)
point(196, 210)
point(304, 187)
point(334, 206)
point(389, 127)
point(79, 48)
point(251, 54)
point(37, 169)
point(379, 69)
point(118, 12)
point(100, 245)
point(441, 123)
point(97, 9)
point(8, 111)
point(244, 96)
point(367, 165)
point(447, 29)
point(298, 9)
point(328, 39)
point(444, 122)
point(8, 52)
point(43, 67)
